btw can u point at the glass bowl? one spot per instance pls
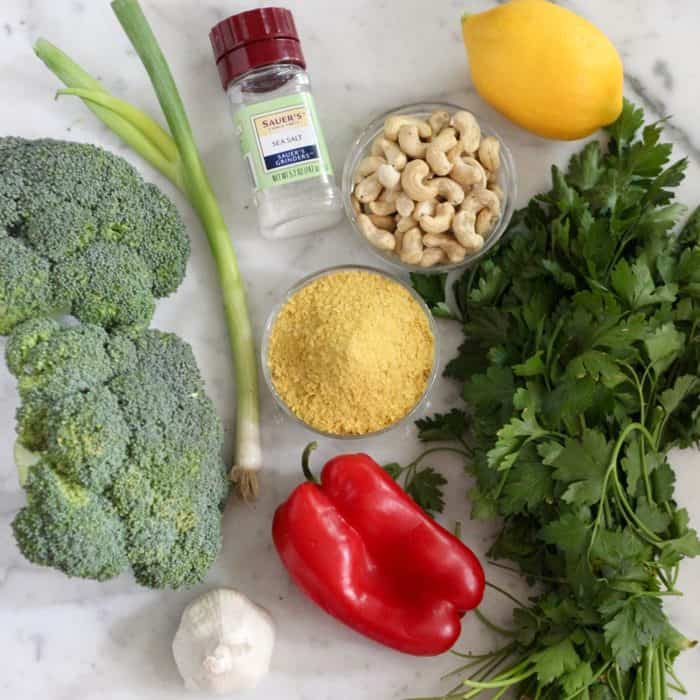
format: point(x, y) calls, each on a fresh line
point(507, 180)
point(311, 278)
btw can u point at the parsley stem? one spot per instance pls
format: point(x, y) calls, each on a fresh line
point(487, 655)
point(497, 663)
point(668, 668)
point(631, 516)
point(420, 457)
point(648, 661)
point(507, 595)
point(492, 625)
point(661, 670)
point(504, 683)
point(536, 577)
point(612, 471)
point(481, 663)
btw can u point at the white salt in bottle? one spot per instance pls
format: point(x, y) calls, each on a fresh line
point(263, 71)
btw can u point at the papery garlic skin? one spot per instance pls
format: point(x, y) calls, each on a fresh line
point(224, 642)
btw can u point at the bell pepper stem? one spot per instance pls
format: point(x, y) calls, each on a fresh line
point(308, 474)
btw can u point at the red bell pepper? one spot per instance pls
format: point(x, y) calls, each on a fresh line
point(362, 549)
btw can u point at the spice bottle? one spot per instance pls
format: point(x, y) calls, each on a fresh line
point(262, 70)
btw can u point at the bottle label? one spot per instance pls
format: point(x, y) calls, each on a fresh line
point(281, 141)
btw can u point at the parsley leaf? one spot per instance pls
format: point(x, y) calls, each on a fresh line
point(636, 286)
point(578, 679)
point(442, 426)
point(555, 661)
point(425, 487)
point(529, 485)
point(393, 469)
point(582, 465)
point(635, 623)
point(432, 289)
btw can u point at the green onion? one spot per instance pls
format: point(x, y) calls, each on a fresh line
point(176, 156)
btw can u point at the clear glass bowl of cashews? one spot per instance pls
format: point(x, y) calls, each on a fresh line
point(429, 187)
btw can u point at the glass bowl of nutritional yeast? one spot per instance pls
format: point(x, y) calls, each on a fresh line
point(350, 352)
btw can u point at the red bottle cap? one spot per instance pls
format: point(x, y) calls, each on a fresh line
point(255, 38)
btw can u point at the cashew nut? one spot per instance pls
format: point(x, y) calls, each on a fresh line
point(496, 189)
point(454, 251)
point(356, 206)
point(441, 222)
point(482, 199)
point(367, 166)
point(386, 222)
point(404, 224)
point(404, 204)
point(435, 153)
point(398, 237)
point(382, 207)
point(425, 208)
point(485, 221)
point(468, 172)
point(377, 237)
point(438, 120)
point(449, 190)
point(413, 181)
point(368, 189)
point(463, 229)
point(409, 141)
point(469, 130)
point(412, 246)
point(389, 176)
point(490, 153)
point(393, 123)
point(390, 151)
point(432, 256)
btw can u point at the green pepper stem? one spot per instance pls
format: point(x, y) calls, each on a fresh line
point(308, 474)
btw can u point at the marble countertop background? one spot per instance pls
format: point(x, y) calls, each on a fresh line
point(62, 639)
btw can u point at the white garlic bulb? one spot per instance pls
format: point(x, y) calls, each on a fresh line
point(224, 642)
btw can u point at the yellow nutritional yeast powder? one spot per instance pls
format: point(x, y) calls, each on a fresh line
point(351, 352)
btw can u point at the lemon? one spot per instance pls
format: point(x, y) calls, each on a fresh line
point(544, 67)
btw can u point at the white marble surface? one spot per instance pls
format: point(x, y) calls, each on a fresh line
point(62, 639)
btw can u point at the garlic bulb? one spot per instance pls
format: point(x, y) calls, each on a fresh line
point(224, 642)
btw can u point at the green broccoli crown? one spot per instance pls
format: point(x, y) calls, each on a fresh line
point(81, 232)
point(133, 431)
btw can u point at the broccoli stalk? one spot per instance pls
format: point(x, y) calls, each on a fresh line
point(179, 160)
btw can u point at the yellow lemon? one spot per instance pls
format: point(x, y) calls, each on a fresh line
point(544, 67)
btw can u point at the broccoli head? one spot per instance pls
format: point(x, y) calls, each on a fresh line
point(117, 428)
point(82, 233)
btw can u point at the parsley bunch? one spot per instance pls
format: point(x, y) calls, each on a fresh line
point(580, 368)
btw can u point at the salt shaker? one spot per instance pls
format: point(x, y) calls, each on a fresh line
point(262, 70)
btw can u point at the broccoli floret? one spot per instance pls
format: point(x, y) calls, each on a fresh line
point(25, 338)
point(110, 285)
point(25, 283)
point(64, 362)
point(69, 527)
point(87, 437)
point(82, 233)
point(134, 431)
point(60, 230)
